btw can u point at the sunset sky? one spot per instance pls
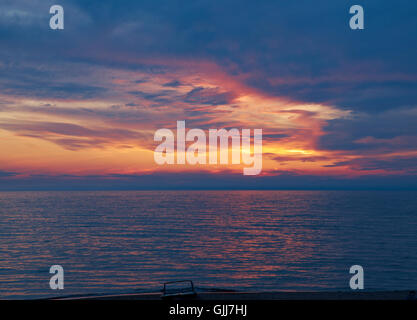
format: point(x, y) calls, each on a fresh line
point(79, 107)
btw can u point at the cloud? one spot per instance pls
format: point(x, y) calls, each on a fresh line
point(393, 164)
point(74, 137)
point(206, 181)
point(173, 83)
point(389, 131)
point(209, 96)
point(5, 174)
point(301, 158)
point(282, 48)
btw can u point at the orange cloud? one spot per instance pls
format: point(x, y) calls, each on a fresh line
point(112, 131)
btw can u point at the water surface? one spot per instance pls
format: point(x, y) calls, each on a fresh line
point(129, 241)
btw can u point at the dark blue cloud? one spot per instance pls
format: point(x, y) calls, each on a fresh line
point(209, 96)
point(308, 42)
point(390, 131)
point(4, 174)
point(404, 164)
point(206, 181)
point(174, 83)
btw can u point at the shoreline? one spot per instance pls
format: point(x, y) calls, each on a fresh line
point(259, 296)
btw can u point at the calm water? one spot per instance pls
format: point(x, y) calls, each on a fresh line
point(111, 242)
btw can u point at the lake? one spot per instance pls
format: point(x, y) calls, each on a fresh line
point(133, 241)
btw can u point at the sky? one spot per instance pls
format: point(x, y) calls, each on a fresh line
point(79, 107)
